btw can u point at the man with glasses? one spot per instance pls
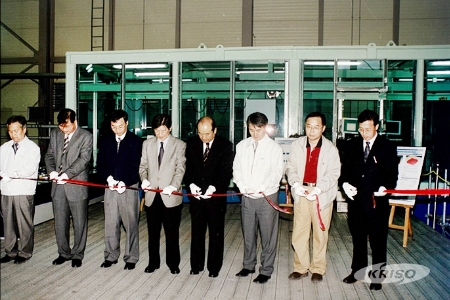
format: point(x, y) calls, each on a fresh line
point(118, 164)
point(68, 156)
point(370, 166)
point(162, 166)
point(313, 170)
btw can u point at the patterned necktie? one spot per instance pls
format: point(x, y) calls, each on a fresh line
point(366, 151)
point(161, 154)
point(66, 143)
point(15, 147)
point(118, 144)
point(205, 155)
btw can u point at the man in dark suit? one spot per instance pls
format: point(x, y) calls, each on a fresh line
point(118, 164)
point(68, 156)
point(370, 166)
point(162, 167)
point(209, 168)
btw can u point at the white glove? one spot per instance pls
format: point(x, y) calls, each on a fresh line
point(311, 196)
point(111, 182)
point(5, 177)
point(145, 185)
point(168, 190)
point(209, 191)
point(249, 192)
point(121, 187)
point(380, 192)
point(62, 179)
point(299, 190)
point(53, 175)
point(195, 190)
point(350, 190)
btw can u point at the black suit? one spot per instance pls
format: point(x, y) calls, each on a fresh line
point(216, 171)
point(369, 215)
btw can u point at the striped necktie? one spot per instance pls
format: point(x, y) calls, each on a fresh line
point(161, 154)
point(66, 143)
point(366, 151)
point(118, 143)
point(205, 154)
point(15, 147)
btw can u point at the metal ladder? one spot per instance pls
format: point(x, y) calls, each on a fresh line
point(98, 25)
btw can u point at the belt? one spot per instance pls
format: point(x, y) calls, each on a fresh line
point(309, 184)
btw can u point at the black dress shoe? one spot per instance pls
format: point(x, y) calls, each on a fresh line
point(298, 275)
point(213, 274)
point(108, 263)
point(244, 272)
point(129, 266)
point(350, 278)
point(375, 286)
point(76, 263)
point(316, 277)
point(20, 260)
point(60, 260)
point(6, 259)
point(194, 272)
point(175, 270)
point(150, 269)
point(261, 278)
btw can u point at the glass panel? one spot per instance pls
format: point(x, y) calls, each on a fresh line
point(205, 90)
point(318, 91)
point(259, 86)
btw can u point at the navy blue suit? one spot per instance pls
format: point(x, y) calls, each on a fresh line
point(208, 213)
point(122, 165)
point(369, 215)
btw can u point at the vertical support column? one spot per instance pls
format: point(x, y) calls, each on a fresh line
point(95, 122)
point(320, 27)
point(247, 23)
point(232, 99)
point(418, 104)
point(294, 97)
point(71, 84)
point(396, 22)
point(175, 97)
point(178, 24)
point(112, 24)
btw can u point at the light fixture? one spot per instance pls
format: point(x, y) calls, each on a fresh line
point(89, 68)
point(440, 63)
point(141, 66)
point(446, 72)
point(331, 63)
point(140, 74)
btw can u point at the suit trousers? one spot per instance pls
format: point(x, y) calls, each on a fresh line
point(158, 215)
point(62, 210)
point(305, 216)
point(122, 209)
point(207, 213)
point(258, 213)
point(18, 214)
point(375, 224)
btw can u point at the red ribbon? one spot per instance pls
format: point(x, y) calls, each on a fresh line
point(420, 192)
point(86, 183)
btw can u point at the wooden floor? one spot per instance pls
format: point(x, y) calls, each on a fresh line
point(39, 279)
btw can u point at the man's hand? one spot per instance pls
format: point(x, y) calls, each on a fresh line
point(53, 175)
point(195, 190)
point(380, 192)
point(5, 177)
point(62, 179)
point(121, 187)
point(311, 196)
point(211, 189)
point(145, 185)
point(299, 190)
point(112, 183)
point(350, 190)
point(168, 190)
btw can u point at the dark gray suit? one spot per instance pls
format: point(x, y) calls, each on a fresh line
point(70, 199)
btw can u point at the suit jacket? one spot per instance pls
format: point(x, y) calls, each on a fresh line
point(75, 162)
point(380, 169)
point(171, 171)
point(328, 168)
point(217, 169)
point(122, 165)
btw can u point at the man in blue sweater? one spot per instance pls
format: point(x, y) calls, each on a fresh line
point(118, 163)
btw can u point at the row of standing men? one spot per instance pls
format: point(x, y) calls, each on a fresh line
point(206, 163)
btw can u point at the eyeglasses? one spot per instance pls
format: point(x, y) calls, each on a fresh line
point(366, 130)
point(314, 128)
